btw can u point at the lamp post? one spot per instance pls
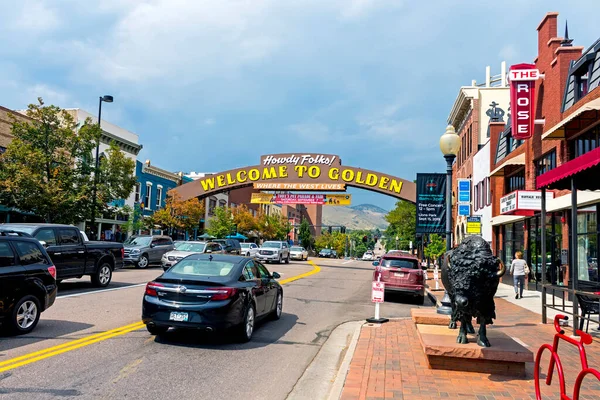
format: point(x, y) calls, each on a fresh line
point(106, 99)
point(449, 145)
point(397, 248)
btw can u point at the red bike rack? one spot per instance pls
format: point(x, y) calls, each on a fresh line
point(585, 338)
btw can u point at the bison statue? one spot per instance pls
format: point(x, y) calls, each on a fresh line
point(470, 273)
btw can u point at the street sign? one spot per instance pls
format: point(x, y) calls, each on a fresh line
point(377, 292)
point(464, 191)
point(464, 210)
point(473, 225)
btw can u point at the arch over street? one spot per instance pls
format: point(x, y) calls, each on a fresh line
point(299, 172)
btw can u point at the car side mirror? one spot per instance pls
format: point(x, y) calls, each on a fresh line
point(375, 263)
point(209, 251)
point(152, 245)
point(276, 275)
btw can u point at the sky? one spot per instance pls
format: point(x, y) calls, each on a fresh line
point(211, 85)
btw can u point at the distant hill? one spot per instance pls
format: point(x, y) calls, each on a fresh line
point(362, 216)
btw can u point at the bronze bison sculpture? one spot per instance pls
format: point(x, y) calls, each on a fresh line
point(471, 273)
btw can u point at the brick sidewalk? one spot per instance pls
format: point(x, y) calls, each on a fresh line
point(389, 363)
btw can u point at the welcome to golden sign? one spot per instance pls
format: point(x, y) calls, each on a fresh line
point(301, 169)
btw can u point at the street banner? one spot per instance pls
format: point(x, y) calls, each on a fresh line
point(300, 186)
point(431, 203)
point(289, 198)
point(522, 79)
point(377, 292)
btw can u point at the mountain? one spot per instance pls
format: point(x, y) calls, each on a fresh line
point(362, 216)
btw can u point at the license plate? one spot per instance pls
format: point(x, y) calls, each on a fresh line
point(178, 316)
point(399, 274)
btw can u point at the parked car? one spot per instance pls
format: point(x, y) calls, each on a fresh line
point(328, 253)
point(249, 249)
point(231, 246)
point(402, 274)
point(212, 292)
point(143, 250)
point(27, 281)
point(173, 257)
point(298, 253)
point(274, 251)
point(71, 255)
point(368, 256)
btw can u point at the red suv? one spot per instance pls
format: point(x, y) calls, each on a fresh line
point(402, 274)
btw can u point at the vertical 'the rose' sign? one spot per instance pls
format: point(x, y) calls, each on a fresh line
point(522, 79)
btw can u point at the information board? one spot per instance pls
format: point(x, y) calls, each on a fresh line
point(431, 203)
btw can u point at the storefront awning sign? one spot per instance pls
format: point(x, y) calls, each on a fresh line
point(474, 225)
point(523, 202)
point(522, 79)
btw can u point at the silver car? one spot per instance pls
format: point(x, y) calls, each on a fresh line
point(185, 249)
point(249, 249)
point(274, 251)
point(298, 253)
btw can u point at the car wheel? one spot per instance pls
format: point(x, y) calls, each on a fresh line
point(157, 330)
point(143, 262)
point(287, 260)
point(103, 275)
point(276, 314)
point(246, 329)
point(25, 315)
point(247, 254)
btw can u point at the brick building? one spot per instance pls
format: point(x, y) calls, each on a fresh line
point(566, 128)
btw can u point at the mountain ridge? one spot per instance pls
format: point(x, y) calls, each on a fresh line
point(359, 217)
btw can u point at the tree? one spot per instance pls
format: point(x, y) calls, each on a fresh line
point(136, 220)
point(402, 224)
point(273, 227)
point(178, 214)
point(436, 247)
point(304, 234)
point(48, 168)
point(221, 224)
point(245, 221)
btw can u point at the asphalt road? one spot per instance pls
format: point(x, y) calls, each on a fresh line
point(136, 365)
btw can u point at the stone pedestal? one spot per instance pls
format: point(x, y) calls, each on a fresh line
point(505, 357)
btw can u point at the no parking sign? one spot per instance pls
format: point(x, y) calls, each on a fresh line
point(377, 292)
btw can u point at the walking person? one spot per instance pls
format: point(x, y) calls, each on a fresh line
point(519, 269)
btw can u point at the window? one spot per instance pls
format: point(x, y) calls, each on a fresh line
point(137, 192)
point(581, 83)
point(148, 195)
point(46, 235)
point(68, 236)
point(515, 182)
point(158, 196)
point(7, 257)
point(29, 253)
point(587, 243)
point(489, 192)
point(397, 263)
point(202, 267)
point(251, 271)
point(545, 163)
point(585, 142)
point(264, 273)
point(212, 204)
point(222, 203)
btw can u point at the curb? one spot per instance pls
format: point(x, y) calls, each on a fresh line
point(433, 298)
point(340, 378)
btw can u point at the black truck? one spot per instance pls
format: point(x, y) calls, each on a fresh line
point(72, 256)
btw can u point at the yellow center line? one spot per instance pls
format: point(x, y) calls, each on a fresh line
point(99, 337)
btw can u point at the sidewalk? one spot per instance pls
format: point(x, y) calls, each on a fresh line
point(389, 361)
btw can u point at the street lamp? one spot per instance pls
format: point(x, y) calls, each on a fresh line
point(449, 145)
point(106, 99)
point(397, 248)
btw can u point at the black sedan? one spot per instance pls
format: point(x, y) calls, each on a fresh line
point(212, 292)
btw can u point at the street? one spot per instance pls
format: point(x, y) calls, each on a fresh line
point(137, 365)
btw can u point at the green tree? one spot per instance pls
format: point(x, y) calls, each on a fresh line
point(244, 219)
point(221, 224)
point(178, 214)
point(304, 234)
point(136, 220)
point(48, 168)
point(402, 224)
point(436, 247)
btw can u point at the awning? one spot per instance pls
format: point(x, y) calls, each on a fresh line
point(506, 219)
point(584, 168)
point(584, 198)
point(558, 130)
point(517, 160)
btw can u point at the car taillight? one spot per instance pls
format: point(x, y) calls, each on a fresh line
point(52, 271)
point(223, 293)
point(122, 252)
point(151, 288)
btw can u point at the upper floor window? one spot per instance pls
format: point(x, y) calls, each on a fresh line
point(222, 203)
point(159, 191)
point(148, 196)
point(138, 187)
point(212, 203)
point(515, 182)
point(585, 142)
point(545, 163)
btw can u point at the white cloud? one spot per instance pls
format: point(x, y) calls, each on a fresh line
point(209, 121)
point(32, 17)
